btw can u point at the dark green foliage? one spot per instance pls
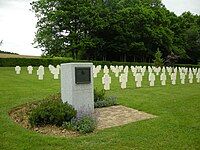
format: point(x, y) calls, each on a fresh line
point(99, 95)
point(51, 112)
point(11, 62)
point(115, 30)
point(83, 124)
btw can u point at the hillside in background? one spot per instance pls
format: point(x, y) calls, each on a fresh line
point(4, 52)
point(6, 55)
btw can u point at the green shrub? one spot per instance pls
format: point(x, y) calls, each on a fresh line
point(51, 112)
point(83, 124)
point(158, 59)
point(99, 95)
point(108, 101)
point(100, 100)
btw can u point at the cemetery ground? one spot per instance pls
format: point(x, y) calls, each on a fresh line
point(177, 107)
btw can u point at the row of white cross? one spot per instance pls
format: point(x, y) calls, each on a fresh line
point(122, 73)
point(139, 71)
point(40, 71)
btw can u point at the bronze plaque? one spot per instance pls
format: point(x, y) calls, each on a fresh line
point(82, 75)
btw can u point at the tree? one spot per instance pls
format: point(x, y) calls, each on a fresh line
point(62, 25)
point(171, 59)
point(115, 30)
point(158, 61)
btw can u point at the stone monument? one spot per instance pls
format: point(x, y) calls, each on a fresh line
point(77, 86)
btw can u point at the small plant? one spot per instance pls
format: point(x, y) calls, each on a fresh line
point(84, 124)
point(158, 60)
point(109, 101)
point(51, 112)
point(99, 95)
point(54, 97)
point(100, 100)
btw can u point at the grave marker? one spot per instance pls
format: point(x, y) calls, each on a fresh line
point(173, 78)
point(163, 78)
point(40, 72)
point(143, 70)
point(194, 70)
point(56, 72)
point(106, 81)
point(152, 78)
point(138, 79)
point(198, 76)
point(30, 69)
point(117, 72)
point(123, 80)
point(17, 69)
point(182, 77)
point(51, 68)
point(190, 77)
point(105, 70)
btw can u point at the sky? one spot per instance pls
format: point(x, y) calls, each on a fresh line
point(17, 23)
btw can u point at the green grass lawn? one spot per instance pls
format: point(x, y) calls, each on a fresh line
point(176, 127)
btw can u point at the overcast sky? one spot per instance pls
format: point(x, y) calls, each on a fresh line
point(17, 23)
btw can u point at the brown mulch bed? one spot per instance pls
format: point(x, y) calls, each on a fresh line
point(106, 117)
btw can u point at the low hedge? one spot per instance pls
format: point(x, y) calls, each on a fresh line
point(12, 62)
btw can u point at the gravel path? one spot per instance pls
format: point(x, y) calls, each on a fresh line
point(119, 115)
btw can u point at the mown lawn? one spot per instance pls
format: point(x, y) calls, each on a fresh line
point(176, 127)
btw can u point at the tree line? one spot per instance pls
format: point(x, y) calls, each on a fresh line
point(115, 30)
